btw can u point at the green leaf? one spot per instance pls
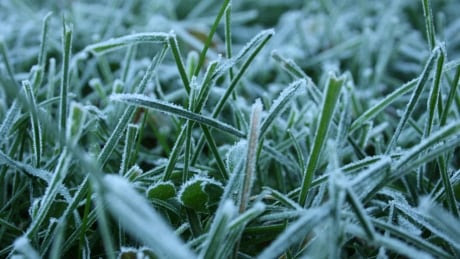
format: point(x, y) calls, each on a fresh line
point(161, 191)
point(200, 193)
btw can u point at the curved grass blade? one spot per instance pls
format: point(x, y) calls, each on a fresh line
point(114, 44)
point(279, 105)
point(361, 214)
point(172, 109)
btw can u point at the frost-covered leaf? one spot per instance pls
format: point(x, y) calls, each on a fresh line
point(161, 191)
point(200, 193)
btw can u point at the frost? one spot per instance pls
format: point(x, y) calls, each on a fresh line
point(138, 218)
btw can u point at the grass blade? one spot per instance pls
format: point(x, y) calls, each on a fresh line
point(427, 13)
point(434, 93)
point(179, 63)
point(296, 232)
point(37, 136)
point(450, 97)
point(117, 43)
point(216, 236)
point(279, 105)
point(361, 213)
point(134, 213)
point(250, 163)
point(172, 109)
point(129, 112)
point(331, 96)
point(66, 52)
point(414, 98)
point(210, 35)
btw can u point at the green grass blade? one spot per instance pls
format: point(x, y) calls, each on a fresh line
point(172, 109)
point(139, 219)
point(64, 90)
point(179, 63)
point(254, 45)
point(296, 232)
point(434, 93)
point(414, 99)
point(117, 43)
point(210, 36)
point(216, 236)
point(129, 112)
point(51, 75)
point(130, 140)
point(280, 104)
point(6, 61)
point(363, 218)
point(428, 14)
point(450, 97)
point(331, 97)
point(8, 121)
point(228, 36)
point(37, 136)
point(43, 42)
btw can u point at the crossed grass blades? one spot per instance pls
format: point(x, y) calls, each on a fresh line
point(334, 137)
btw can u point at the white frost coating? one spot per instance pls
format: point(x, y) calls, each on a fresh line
point(422, 220)
point(174, 109)
point(116, 43)
point(442, 220)
point(259, 206)
point(197, 178)
point(262, 35)
point(138, 218)
point(280, 104)
point(296, 231)
point(22, 245)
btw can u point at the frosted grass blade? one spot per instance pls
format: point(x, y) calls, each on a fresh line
point(250, 163)
point(64, 89)
point(136, 216)
point(210, 36)
point(414, 98)
point(172, 109)
point(296, 232)
point(114, 44)
point(331, 97)
point(37, 137)
point(280, 104)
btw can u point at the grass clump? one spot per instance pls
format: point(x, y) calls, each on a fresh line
point(190, 129)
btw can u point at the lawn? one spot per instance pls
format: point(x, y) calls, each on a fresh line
point(229, 129)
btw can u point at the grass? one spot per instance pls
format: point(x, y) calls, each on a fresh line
point(229, 129)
